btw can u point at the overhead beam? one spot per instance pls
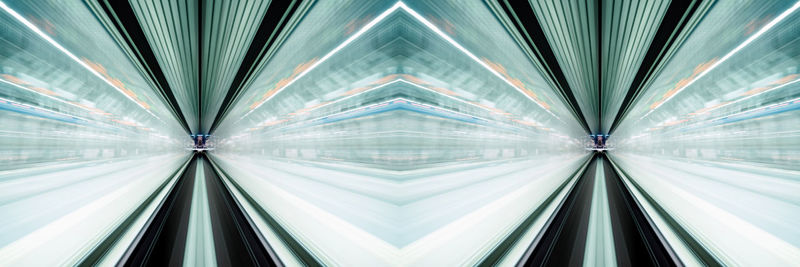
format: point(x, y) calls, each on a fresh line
point(278, 22)
point(534, 41)
point(121, 16)
point(679, 20)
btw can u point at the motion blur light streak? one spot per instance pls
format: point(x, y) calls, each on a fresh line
point(388, 133)
point(730, 54)
point(68, 53)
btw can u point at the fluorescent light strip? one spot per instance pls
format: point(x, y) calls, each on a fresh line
point(69, 54)
point(387, 102)
point(754, 95)
point(40, 108)
point(57, 112)
point(330, 54)
point(708, 121)
point(448, 96)
point(731, 53)
point(406, 100)
point(347, 97)
point(45, 95)
point(468, 53)
point(340, 113)
point(398, 5)
point(354, 95)
point(754, 109)
point(409, 83)
point(406, 82)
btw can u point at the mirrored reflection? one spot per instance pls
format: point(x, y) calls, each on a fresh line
point(714, 139)
point(84, 139)
point(385, 133)
point(401, 139)
point(68, 92)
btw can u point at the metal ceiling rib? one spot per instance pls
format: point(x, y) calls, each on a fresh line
point(279, 21)
point(628, 27)
point(597, 54)
point(121, 23)
point(571, 29)
point(171, 29)
point(520, 22)
point(228, 28)
point(196, 51)
point(606, 50)
point(679, 20)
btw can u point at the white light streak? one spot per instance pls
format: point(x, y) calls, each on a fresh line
point(45, 95)
point(731, 53)
point(753, 95)
point(469, 54)
point(398, 6)
point(69, 54)
point(331, 53)
point(44, 109)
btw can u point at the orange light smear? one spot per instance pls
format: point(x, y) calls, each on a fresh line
point(449, 27)
point(95, 110)
point(697, 70)
point(703, 110)
point(516, 82)
point(545, 105)
point(115, 82)
point(444, 91)
point(529, 123)
point(283, 82)
point(754, 25)
point(443, 24)
point(14, 79)
point(675, 122)
point(270, 123)
point(757, 90)
point(385, 79)
point(495, 110)
point(529, 93)
point(43, 24)
point(495, 66)
point(786, 79)
point(379, 81)
point(119, 84)
point(414, 79)
point(129, 123)
point(95, 66)
point(255, 104)
point(43, 90)
point(303, 66)
point(264, 97)
point(356, 90)
point(355, 24)
point(317, 105)
point(25, 84)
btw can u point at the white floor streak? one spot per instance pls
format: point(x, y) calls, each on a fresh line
point(450, 219)
point(744, 216)
point(200, 238)
point(599, 238)
point(64, 219)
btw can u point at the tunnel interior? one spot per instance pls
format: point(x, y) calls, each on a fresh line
point(399, 133)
